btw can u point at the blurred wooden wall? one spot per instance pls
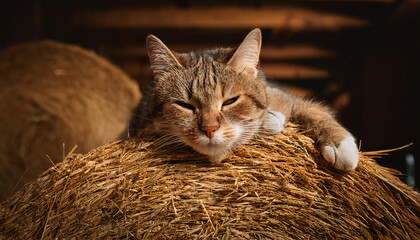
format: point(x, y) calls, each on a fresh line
point(361, 57)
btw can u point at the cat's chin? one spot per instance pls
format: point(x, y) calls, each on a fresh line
point(212, 149)
point(215, 152)
point(217, 158)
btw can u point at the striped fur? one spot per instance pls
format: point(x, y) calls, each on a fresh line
point(217, 99)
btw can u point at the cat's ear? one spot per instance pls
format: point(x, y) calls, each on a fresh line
point(162, 59)
point(247, 55)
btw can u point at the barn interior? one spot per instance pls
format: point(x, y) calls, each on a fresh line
point(362, 57)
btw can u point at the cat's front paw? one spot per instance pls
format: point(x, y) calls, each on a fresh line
point(343, 157)
point(274, 122)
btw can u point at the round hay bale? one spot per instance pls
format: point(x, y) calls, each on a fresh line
point(276, 187)
point(53, 93)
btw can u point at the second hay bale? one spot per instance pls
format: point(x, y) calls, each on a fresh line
point(53, 93)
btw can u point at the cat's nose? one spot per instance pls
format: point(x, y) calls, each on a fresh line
point(209, 130)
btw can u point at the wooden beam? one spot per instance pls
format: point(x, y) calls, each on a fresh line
point(295, 52)
point(291, 18)
point(269, 52)
point(273, 70)
point(293, 72)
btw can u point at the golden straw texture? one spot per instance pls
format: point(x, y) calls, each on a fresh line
point(276, 187)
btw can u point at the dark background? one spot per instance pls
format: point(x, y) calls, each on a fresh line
point(361, 57)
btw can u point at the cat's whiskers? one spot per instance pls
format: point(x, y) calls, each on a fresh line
point(162, 136)
point(142, 117)
point(169, 141)
point(174, 147)
point(250, 131)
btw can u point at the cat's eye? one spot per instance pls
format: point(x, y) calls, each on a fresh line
point(185, 105)
point(230, 101)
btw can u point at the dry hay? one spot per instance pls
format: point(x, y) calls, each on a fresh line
point(273, 188)
point(51, 93)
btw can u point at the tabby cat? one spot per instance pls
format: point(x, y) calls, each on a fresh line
point(217, 99)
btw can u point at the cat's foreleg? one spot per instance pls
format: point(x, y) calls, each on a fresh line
point(337, 145)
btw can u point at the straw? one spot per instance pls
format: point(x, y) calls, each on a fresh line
point(276, 187)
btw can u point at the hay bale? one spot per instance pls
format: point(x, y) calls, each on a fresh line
point(53, 93)
point(276, 187)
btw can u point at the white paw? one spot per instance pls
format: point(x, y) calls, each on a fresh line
point(274, 122)
point(345, 157)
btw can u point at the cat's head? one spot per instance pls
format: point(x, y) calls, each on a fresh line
point(211, 100)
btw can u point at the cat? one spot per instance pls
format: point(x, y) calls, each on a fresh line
point(53, 93)
point(217, 99)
